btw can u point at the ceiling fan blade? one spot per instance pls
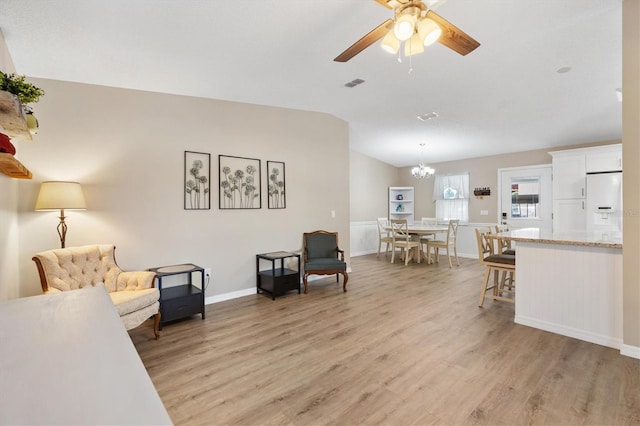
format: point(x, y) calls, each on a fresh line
point(453, 37)
point(374, 35)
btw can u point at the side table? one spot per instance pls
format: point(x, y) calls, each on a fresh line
point(180, 301)
point(277, 280)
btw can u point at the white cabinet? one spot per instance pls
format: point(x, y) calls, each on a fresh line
point(605, 159)
point(401, 203)
point(569, 215)
point(570, 170)
point(569, 190)
point(569, 175)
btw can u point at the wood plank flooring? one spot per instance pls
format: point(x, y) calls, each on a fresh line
point(404, 346)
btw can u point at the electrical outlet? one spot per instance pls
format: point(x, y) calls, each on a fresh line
point(207, 273)
point(484, 212)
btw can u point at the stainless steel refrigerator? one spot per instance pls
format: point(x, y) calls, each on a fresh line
point(604, 202)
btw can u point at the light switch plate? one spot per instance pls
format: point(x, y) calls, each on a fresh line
point(484, 212)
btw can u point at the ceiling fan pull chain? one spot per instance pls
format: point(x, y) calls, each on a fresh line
point(410, 64)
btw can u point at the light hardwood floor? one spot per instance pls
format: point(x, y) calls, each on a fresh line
point(404, 345)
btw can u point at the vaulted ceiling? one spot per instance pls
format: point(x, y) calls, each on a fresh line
point(509, 95)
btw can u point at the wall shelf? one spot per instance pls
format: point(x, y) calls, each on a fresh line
point(12, 167)
point(12, 118)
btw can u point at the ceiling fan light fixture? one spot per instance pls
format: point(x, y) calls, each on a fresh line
point(390, 43)
point(413, 46)
point(429, 31)
point(404, 27)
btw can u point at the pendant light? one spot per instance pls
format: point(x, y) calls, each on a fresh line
point(421, 171)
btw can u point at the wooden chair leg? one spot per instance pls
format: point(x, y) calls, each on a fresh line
point(304, 281)
point(449, 257)
point(156, 324)
point(345, 278)
point(485, 281)
point(455, 251)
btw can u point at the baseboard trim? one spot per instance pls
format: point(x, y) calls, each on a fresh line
point(228, 296)
point(251, 291)
point(598, 339)
point(630, 351)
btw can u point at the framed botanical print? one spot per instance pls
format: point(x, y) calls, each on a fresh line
point(197, 178)
point(239, 182)
point(276, 185)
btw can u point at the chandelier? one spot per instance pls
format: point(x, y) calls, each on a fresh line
point(421, 171)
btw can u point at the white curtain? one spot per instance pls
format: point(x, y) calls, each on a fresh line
point(451, 194)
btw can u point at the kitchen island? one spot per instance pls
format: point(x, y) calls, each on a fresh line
point(570, 283)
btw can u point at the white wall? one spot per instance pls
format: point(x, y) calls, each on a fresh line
point(127, 149)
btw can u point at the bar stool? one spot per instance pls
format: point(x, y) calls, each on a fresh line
point(497, 263)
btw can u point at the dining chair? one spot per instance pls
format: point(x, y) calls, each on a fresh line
point(495, 263)
point(402, 239)
point(449, 243)
point(428, 221)
point(384, 236)
point(504, 246)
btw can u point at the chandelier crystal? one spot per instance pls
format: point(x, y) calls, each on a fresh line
point(421, 171)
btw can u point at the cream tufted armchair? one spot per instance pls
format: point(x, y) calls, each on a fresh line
point(73, 268)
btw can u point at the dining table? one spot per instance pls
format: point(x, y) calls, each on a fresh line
point(421, 230)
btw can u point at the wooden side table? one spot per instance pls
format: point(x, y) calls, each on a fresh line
point(277, 280)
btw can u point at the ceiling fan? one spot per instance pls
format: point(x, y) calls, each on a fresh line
point(415, 24)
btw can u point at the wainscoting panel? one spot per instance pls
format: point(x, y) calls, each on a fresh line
point(571, 290)
point(364, 238)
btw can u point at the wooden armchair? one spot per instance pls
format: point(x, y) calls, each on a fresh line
point(322, 256)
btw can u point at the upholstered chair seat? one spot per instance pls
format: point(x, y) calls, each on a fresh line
point(74, 268)
point(322, 256)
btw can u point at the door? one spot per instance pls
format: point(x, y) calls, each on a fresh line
point(525, 197)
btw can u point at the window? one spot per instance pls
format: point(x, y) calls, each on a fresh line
point(525, 194)
point(451, 194)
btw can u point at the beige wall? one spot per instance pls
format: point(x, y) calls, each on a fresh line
point(127, 148)
point(370, 179)
point(9, 278)
point(631, 159)
point(483, 172)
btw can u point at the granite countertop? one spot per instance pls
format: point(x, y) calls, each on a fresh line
point(574, 238)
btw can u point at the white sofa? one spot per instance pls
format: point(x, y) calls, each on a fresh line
point(74, 268)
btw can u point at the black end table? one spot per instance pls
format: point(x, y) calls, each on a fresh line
point(277, 280)
point(180, 301)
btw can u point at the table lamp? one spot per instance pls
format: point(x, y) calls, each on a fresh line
point(60, 196)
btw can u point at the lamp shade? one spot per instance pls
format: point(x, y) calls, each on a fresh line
point(390, 43)
point(413, 46)
point(60, 196)
point(429, 31)
point(404, 27)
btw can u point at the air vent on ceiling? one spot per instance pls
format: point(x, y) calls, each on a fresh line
point(354, 83)
point(428, 116)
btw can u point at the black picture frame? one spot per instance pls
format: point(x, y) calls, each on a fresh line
point(197, 180)
point(276, 185)
point(239, 183)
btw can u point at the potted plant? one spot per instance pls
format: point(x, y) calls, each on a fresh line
point(26, 94)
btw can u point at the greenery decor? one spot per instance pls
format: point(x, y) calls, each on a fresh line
point(26, 92)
